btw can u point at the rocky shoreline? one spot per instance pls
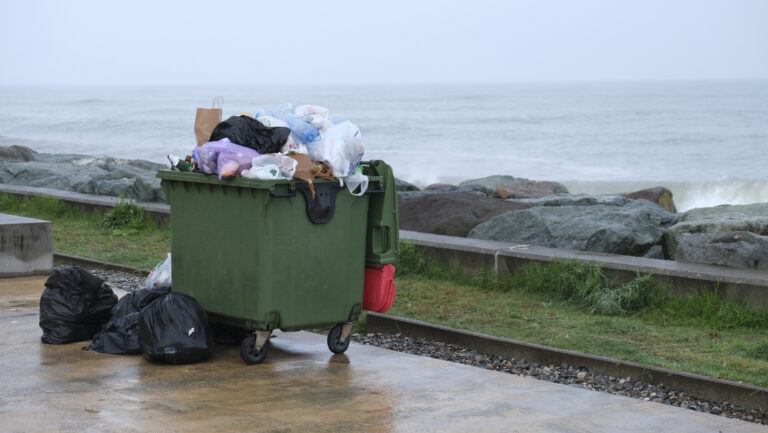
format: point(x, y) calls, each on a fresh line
point(641, 223)
point(135, 179)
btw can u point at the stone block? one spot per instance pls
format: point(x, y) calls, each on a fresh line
point(26, 246)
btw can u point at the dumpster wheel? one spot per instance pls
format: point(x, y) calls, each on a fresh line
point(249, 353)
point(335, 342)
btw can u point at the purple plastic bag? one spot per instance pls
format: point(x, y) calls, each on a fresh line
point(224, 158)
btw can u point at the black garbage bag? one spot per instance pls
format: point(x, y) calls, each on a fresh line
point(249, 132)
point(174, 329)
point(74, 306)
point(120, 335)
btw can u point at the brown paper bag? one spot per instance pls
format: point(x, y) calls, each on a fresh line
point(206, 119)
point(307, 170)
point(304, 170)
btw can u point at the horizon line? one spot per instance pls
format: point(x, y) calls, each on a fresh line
point(391, 83)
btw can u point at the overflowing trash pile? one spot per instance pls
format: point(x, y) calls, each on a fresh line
point(283, 142)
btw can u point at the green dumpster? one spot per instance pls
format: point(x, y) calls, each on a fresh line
point(262, 255)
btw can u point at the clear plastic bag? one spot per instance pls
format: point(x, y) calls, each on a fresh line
point(302, 131)
point(356, 180)
point(160, 276)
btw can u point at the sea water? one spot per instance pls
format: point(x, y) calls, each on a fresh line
point(706, 141)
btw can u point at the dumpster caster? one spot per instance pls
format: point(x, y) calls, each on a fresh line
point(255, 347)
point(338, 338)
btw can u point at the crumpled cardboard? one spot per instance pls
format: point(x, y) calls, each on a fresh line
point(307, 170)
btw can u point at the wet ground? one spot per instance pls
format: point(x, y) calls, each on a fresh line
point(301, 387)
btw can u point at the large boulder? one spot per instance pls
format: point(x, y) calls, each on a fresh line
point(449, 213)
point(659, 195)
point(719, 219)
point(529, 190)
point(744, 250)
point(632, 229)
point(441, 189)
point(574, 200)
point(440, 186)
point(17, 153)
point(490, 185)
point(80, 173)
point(401, 185)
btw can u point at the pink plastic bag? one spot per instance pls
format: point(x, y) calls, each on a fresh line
point(224, 158)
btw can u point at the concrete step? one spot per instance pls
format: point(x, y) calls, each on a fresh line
point(26, 246)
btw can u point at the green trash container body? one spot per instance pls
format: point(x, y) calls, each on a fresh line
point(246, 250)
point(383, 233)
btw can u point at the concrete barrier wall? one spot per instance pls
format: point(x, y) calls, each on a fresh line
point(473, 255)
point(160, 212)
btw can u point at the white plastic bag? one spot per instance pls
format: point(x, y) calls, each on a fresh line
point(160, 277)
point(357, 179)
point(268, 171)
point(316, 115)
point(271, 166)
point(341, 147)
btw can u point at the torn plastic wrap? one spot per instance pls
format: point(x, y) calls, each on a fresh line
point(74, 305)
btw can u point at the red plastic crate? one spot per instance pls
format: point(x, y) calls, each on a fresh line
point(379, 288)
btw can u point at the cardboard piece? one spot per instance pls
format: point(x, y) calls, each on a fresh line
point(307, 170)
point(304, 170)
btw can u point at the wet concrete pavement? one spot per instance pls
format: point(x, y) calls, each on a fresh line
point(301, 387)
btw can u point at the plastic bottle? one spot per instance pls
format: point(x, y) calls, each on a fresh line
point(302, 131)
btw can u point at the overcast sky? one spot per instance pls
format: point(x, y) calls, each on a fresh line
point(325, 41)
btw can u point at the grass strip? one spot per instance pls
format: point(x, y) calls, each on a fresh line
point(575, 306)
point(125, 234)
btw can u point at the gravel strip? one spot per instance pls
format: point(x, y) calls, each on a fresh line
point(563, 373)
point(117, 279)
